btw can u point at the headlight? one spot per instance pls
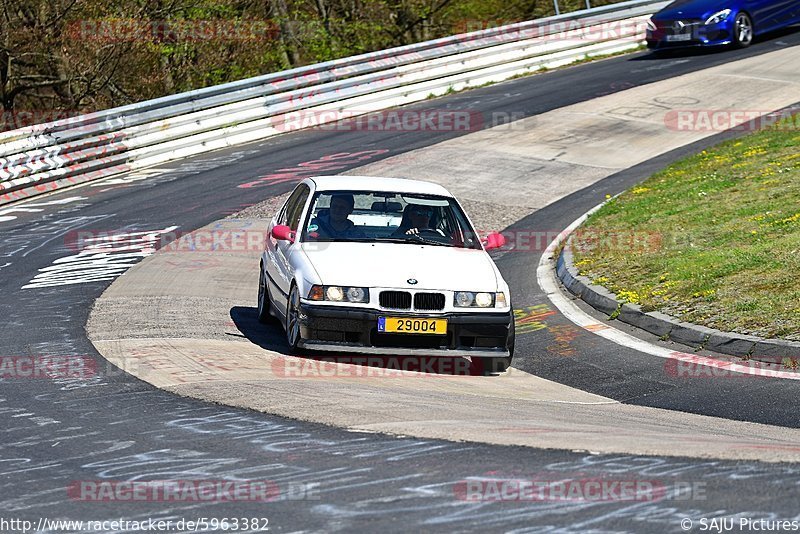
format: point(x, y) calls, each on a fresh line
point(334, 293)
point(339, 293)
point(651, 26)
point(357, 294)
point(464, 299)
point(469, 299)
point(484, 300)
point(718, 17)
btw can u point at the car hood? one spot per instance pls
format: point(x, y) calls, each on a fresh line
point(692, 9)
point(393, 264)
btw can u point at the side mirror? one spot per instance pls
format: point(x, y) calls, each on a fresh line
point(494, 240)
point(282, 233)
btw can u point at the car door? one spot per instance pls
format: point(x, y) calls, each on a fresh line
point(788, 11)
point(763, 13)
point(279, 267)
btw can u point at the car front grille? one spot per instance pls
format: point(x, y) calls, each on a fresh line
point(401, 300)
point(429, 301)
point(676, 27)
point(396, 300)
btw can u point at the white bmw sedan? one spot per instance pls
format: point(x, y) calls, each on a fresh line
point(384, 266)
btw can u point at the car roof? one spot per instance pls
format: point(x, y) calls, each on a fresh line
point(373, 183)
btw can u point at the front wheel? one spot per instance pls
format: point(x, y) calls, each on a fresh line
point(742, 31)
point(490, 366)
point(293, 320)
point(499, 365)
point(264, 303)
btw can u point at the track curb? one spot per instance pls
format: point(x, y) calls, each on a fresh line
point(666, 327)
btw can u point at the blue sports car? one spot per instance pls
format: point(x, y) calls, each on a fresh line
point(686, 23)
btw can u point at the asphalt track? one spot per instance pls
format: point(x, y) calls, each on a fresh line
point(113, 427)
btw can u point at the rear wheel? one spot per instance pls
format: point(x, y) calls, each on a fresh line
point(742, 31)
point(293, 320)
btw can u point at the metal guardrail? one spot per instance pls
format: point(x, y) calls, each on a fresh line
point(40, 158)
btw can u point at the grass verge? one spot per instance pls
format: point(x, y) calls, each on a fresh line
point(713, 239)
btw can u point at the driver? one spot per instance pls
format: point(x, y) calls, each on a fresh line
point(416, 219)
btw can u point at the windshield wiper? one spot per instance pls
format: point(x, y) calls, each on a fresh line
point(411, 239)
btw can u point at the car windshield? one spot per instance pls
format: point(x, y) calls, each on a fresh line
point(388, 218)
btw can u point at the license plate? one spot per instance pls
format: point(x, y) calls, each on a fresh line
point(412, 325)
point(680, 37)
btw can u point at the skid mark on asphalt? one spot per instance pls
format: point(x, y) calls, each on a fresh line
point(530, 319)
point(325, 165)
point(535, 318)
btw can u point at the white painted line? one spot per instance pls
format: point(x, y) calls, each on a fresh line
point(32, 207)
point(546, 277)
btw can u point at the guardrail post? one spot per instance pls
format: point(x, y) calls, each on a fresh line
point(555, 4)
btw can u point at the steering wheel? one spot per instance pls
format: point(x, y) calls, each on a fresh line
point(430, 232)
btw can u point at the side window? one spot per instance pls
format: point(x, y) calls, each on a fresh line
point(288, 206)
point(294, 208)
point(282, 215)
point(284, 210)
point(446, 223)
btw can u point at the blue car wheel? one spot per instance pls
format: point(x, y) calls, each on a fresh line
point(742, 31)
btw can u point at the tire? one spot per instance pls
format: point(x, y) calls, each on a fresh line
point(743, 31)
point(293, 337)
point(512, 337)
point(264, 300)
point(490, 366)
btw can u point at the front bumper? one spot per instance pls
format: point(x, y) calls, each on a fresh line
point(474, 334)
point(696, 35)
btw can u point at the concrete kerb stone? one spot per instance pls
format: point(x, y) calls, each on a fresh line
point(734, 344)
point(775, 350)
point(563, 274)
point(662, 325)
point(656, 323)
point(601, 299)
point(692, 335)
point(578, 287)
point(631, 314)
point(568, 274)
